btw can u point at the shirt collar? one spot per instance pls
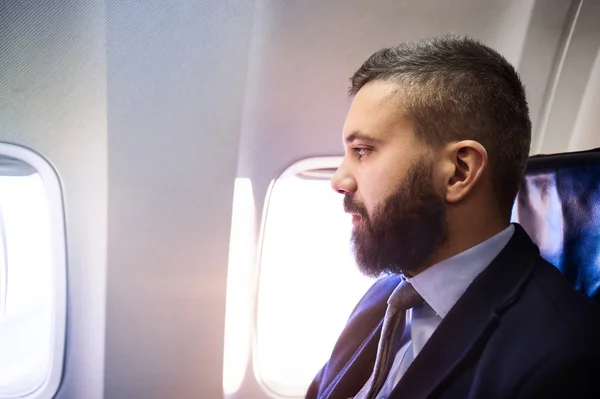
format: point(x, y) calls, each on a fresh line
point(442, 284)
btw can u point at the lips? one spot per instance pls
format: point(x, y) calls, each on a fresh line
point(352, 211)
point(356, 210)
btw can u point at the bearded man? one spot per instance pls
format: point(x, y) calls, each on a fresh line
point(436, 142)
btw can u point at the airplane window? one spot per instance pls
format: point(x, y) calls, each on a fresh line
point(32, 274)
point(308, 281)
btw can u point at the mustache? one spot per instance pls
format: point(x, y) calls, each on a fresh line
point(356, 208)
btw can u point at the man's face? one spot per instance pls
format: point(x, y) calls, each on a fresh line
point(387, 179)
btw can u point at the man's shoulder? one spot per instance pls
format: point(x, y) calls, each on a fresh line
point(573, 313)
point(380, 291)
point(374, 302)
point(560, 328)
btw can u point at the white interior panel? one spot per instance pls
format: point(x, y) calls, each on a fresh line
point(586, 133)
point(53, 100)
point(573, 90)
point(176, 73)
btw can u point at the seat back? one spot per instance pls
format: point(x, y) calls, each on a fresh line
point(559, 207)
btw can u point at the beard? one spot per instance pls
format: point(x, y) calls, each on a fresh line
point(404, 230)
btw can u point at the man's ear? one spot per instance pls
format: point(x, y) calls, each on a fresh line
point(465, 163)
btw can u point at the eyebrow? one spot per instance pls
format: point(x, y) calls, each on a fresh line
point(362, 137)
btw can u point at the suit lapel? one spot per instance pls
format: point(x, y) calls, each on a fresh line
point(358, 369)
point(467, 327)
point(353, 373)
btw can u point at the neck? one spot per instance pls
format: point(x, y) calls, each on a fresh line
point(460, 238)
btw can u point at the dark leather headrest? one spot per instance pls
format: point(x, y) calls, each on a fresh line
point(559, 207)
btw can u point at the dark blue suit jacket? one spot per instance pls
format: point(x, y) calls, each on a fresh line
point(519, 331)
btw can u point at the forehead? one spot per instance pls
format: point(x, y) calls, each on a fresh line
point(375, 111)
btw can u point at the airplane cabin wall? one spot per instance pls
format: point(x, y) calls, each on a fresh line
point(53, 101)
point(572, 104)
point(176, 76)
point(138, 107)
point(586, 132)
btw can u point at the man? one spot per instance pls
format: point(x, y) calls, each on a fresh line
point(437, 139)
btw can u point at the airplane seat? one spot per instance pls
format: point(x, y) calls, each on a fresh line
point(559, 207)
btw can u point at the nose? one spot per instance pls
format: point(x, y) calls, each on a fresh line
point(343, 182)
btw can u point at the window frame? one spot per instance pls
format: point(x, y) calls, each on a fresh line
point(3, 267)
point(51, 180)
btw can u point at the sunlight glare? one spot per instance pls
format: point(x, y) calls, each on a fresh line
point(238, 314)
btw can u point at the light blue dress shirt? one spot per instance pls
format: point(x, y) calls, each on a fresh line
point(441, 285)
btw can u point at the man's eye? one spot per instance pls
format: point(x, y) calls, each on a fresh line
point(361, 152)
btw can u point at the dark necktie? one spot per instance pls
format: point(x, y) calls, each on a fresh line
point(403, 298)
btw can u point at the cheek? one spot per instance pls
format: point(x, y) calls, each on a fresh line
point(373, 192)
point(381, 177)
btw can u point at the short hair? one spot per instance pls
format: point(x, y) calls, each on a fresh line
point(455, 88)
